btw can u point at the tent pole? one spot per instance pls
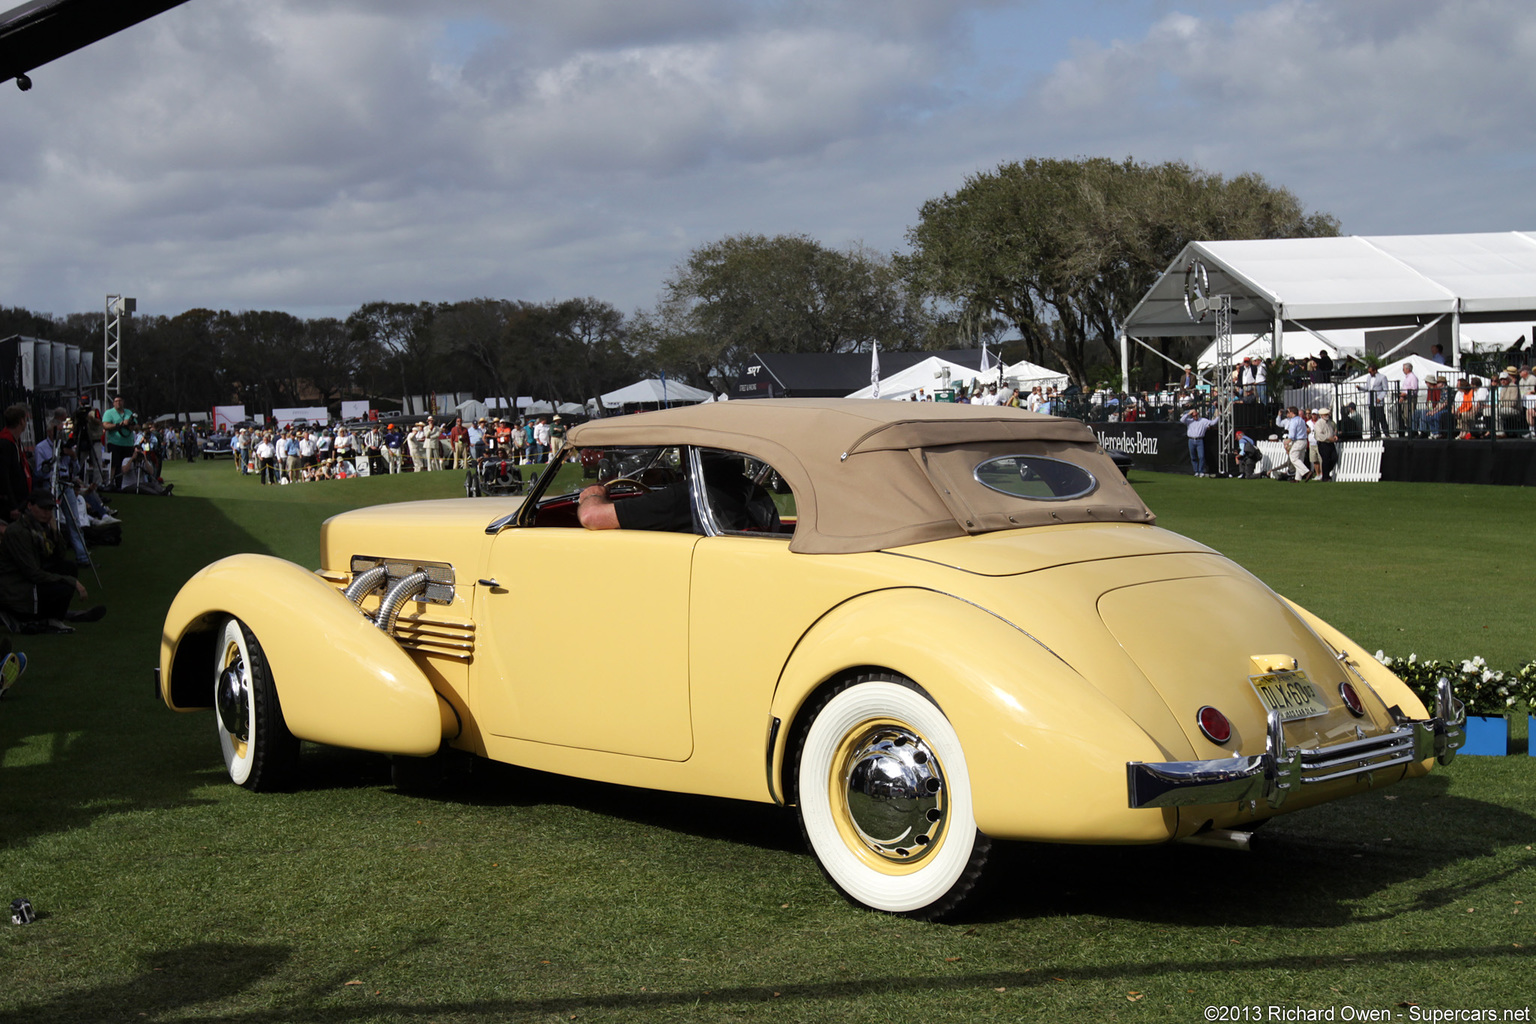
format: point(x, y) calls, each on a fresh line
point(1125, 363)
point(1277, 336)
point(1456, 336)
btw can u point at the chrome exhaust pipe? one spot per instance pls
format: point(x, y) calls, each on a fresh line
point(389, 607)
point(365, 583)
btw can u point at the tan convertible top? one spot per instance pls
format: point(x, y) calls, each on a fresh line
point(869, 474)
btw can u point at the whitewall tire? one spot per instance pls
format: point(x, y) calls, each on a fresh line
point(885, 798)
point(259, 751)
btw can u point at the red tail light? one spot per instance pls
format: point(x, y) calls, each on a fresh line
point(1351, 699)
point(1214, 724)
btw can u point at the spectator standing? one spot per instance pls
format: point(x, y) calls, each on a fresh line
point(1376, 401)
point(240, 444)
point(474, 436)
point(432, 444)
point(1295, 427)
point(1349, 423)
point(392, 442)
point(293, 459)
point(1327, 437)
point(458, 436)
point(1408, 403)
point(266, 458)
point(119, 422)
point(1510, 411)
point(1324, 366)
point(416, 446)
point(1526, 382)
point(1196, 426)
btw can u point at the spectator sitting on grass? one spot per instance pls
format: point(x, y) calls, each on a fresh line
point(37, 579)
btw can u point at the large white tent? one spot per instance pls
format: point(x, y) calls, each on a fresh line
point(927, 375)
point(656, 392)
point(1293, 345)
point(1029, 375)
point(1314, 285)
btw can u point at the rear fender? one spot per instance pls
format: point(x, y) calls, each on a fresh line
point(339, 679)
point(1046, 752)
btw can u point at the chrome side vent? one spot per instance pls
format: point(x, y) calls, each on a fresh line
point(439, 582)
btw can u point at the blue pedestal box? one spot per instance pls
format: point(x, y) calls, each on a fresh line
point(1487, 735)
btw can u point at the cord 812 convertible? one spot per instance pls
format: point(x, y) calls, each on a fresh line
point(925, 626)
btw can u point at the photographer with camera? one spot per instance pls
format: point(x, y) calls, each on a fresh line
point(137, 473)
point(119, 422)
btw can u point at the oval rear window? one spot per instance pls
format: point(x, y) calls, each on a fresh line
point(1036, 477)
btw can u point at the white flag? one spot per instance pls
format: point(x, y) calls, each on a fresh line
point(986, 358)
point(874, 368)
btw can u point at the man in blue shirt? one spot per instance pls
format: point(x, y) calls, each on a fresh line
point(1196, 424)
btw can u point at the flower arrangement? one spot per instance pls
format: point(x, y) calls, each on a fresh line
point(1485, 691)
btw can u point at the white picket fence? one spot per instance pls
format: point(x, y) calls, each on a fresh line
point(1359, 461)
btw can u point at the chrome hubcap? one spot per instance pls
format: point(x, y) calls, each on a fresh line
point(232, 696)
point(895, 793)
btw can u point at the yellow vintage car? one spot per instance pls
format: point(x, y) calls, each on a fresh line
point(925, 626)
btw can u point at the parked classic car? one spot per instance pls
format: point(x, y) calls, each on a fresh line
point(940, 626)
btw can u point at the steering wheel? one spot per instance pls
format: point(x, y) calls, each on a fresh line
point(629, 481)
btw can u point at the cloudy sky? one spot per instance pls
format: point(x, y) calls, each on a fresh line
point(313, 155)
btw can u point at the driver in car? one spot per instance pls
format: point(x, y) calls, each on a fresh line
point(737, 501)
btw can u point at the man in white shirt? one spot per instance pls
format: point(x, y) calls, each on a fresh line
point(1408, 403)
point(266, 458)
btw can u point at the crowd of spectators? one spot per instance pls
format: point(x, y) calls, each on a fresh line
point(298, 453)
point(54, 482)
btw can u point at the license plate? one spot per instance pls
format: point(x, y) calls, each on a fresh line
point(1290, 693)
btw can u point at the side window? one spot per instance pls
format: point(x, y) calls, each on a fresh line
point(745, 496)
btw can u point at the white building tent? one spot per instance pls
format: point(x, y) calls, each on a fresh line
point(1029, 375)
point(654, 392)
point(1314, 285)
point(1293, 344)
point(927, 375)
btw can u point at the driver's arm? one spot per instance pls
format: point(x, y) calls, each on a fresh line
point(595, 510)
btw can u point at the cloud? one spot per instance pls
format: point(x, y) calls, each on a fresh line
point(314, 155)
point(1335, 101)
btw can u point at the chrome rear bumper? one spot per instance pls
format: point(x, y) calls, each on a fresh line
point(1273, 775)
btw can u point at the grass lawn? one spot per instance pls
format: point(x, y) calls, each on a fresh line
point(167, 894)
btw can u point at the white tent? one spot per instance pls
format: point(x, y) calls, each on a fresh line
point(1028, 375)
point(472, 410)
point(1375, 281)
point(655, 392)
point(1293, 344)
point(926, 375)
point(1393, 371)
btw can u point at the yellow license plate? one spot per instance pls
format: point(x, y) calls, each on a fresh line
point(1291, 693)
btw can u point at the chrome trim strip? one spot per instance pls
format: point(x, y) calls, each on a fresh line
point(773, 736)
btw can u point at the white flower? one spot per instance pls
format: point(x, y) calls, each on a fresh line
point(1382, 657)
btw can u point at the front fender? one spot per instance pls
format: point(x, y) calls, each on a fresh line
point(339, 679)
point(1046, 751)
